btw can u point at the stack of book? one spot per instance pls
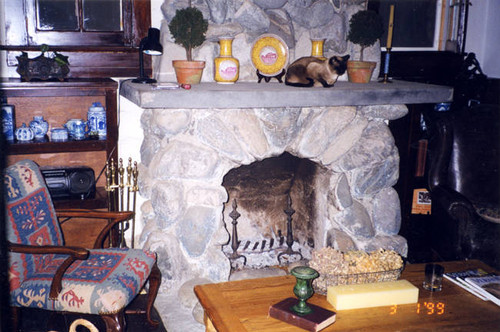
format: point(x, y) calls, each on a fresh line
point(484, 285)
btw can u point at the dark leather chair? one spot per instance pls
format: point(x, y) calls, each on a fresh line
point(464, 180)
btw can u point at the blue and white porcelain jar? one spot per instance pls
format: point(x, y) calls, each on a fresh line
point(96, 117)
point(39, 126)
point(24, 133)
point(8, 120)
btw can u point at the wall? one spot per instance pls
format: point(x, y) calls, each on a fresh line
point(483, 35)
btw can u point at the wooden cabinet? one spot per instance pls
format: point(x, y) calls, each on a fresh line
point(58, 102)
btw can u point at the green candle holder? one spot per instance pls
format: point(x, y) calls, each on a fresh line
point(303, 288)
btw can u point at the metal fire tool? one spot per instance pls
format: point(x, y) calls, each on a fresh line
point(115, 188)
point(289, 211)
point(234, 237)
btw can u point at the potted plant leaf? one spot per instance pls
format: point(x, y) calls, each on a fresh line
point(188, 28)
point(365, 28)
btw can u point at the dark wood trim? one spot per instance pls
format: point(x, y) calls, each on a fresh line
point(91, 54)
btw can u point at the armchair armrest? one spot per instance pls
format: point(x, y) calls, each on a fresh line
point(112, 217)
point(454, 203)
point(73, 252)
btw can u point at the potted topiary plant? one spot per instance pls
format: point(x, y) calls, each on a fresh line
point(365, 28)
point(188, 28)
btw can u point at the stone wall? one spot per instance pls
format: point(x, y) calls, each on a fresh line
point(295, 21)
point(187, 152)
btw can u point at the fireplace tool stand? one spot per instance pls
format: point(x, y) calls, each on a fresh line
point(234, 237)
point(116, 187)
point(289, 232)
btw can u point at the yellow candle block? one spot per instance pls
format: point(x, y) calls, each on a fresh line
point(376, 294)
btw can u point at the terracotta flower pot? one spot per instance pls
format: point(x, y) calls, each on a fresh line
point(360, 71)
point(188, 72)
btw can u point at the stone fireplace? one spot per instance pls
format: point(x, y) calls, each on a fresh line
point(204, 148)
point(346, 151)
point(187, 153)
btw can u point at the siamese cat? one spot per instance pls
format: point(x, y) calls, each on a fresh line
point(310, 71)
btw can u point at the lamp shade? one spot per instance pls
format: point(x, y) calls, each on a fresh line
point(152, 44)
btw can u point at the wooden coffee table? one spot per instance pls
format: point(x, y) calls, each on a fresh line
point(243, 306)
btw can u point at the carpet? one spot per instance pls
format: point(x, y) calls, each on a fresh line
point(37, 320)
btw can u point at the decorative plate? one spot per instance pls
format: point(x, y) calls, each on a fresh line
point(269, 54)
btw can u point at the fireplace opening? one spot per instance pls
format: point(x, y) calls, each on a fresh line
point(262, 191)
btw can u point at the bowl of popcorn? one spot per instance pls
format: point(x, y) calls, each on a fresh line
point(354, 267)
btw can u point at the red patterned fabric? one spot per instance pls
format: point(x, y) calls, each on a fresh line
point(105, 282)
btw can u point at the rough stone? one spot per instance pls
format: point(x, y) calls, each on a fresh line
point(374, 146)
point(334, 33)
point(392, 242)
point(342, 194)
point(206, 196)
point(344, 141)
point(170, 122)
point(369, 181)
point(184, 160)
point(281, 25)
point(247, 128)
point(386, 212)
point(167, 201)
point(356, 221)
point(256, 273)
point(186, 293)
point(279, 125)
point(199, 313)
point(214, 133)
point(196, 229)
point(171, 261)
point(385, 112)
point(340, 240)
point(252, 18)
point(313, 15)
point(322, 129)
point(230, 29)
point(270, 4)
point(218, 10)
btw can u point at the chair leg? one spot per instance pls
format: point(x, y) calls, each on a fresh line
point(15, 318)
point(114, 322)
point(154, 285)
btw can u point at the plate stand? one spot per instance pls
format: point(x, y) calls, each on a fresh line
point(268, 78)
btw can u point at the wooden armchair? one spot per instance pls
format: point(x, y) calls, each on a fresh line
point(45, 274)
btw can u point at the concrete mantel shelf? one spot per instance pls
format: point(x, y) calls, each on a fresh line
point(273, 94)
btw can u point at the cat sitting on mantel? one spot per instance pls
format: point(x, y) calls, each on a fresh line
point(310, 71)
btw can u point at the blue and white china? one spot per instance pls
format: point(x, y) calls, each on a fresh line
point(8, 120)
point(77, 128)
point(39, 126)
point(59, 134)
point(96, 116)
point(24, 133)
point(442, 107)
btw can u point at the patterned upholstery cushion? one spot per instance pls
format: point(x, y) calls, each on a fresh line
point(104, 283)
point(30, 216)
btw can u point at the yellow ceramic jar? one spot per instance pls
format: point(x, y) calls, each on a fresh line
point(317, 48)
point(226, 67)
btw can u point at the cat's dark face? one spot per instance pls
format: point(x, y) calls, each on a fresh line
point(339, 63)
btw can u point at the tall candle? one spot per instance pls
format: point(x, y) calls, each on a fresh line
point(391, 26)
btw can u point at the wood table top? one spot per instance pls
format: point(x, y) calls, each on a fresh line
point(243, 305)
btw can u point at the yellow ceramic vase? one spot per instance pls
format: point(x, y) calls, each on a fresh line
point(317, 48)
point(227, 68)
